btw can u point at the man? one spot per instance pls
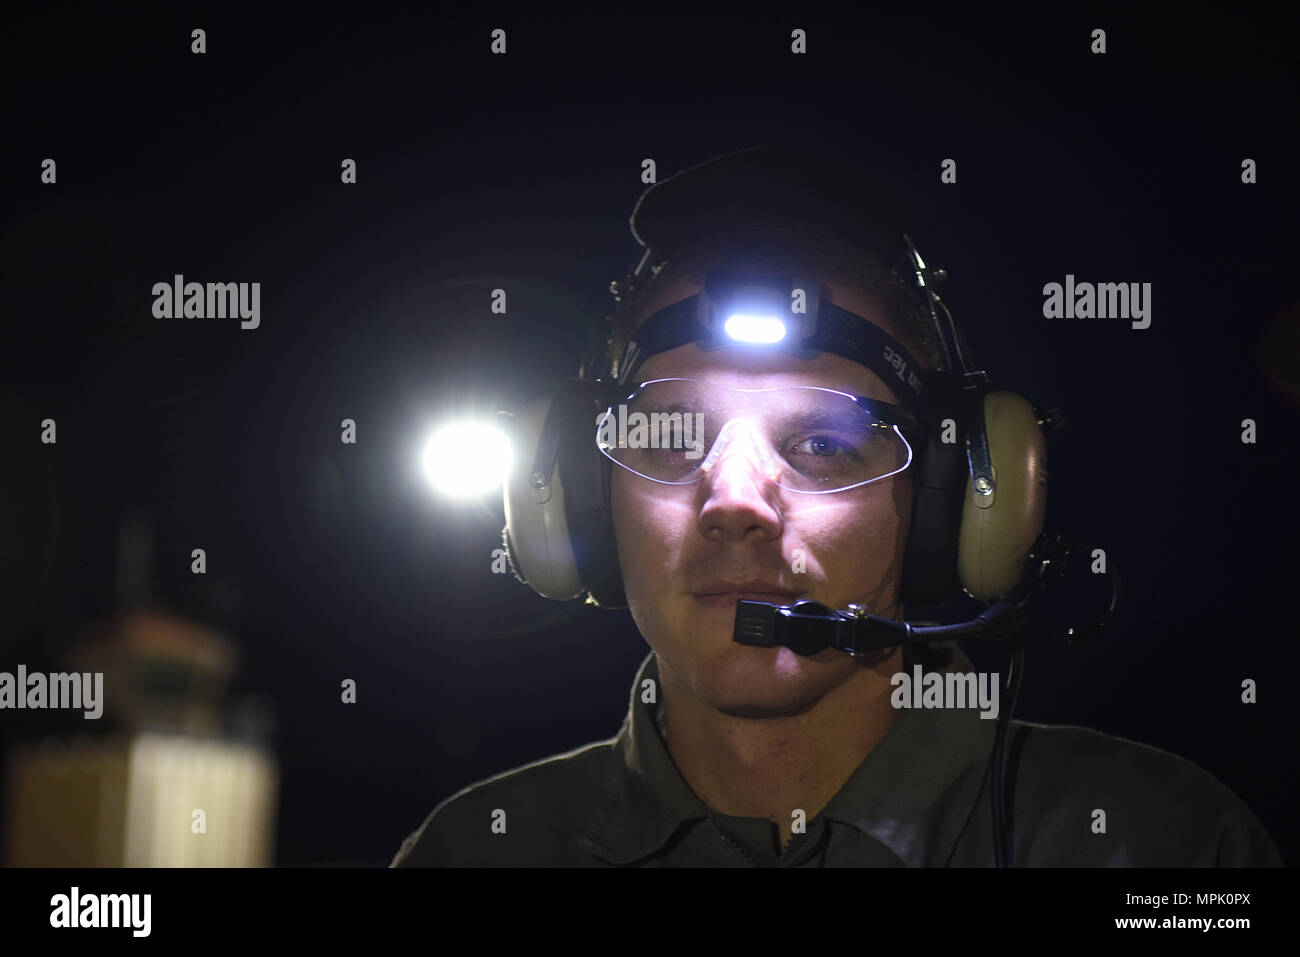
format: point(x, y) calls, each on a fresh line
point(736, 755)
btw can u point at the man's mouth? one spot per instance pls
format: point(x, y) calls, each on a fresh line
point(726, 594)
point(729, 599)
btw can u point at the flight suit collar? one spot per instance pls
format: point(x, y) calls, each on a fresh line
point(913, 793)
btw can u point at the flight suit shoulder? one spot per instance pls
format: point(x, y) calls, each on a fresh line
point(1086, 798)
point(530, 815)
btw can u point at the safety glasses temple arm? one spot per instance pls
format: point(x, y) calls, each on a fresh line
point(888, 412)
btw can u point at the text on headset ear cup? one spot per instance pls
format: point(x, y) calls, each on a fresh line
point(998, 530)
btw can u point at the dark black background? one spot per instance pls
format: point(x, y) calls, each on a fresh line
point(329, 561)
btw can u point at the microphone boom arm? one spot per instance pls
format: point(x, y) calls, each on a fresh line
point(809, 627)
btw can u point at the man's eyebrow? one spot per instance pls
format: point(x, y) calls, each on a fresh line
point(814, 416)
point(679, 402)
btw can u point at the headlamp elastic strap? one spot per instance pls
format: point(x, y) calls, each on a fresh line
point(838, 331)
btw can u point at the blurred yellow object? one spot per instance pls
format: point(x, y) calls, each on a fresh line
point(130, 800)
point(162, 783)
point(160, 671)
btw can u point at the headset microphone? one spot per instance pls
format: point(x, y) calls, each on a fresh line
point(809, 627)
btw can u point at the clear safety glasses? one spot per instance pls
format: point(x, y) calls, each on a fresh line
point(803, 438)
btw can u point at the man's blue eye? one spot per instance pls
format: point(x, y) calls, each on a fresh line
point(821, 445)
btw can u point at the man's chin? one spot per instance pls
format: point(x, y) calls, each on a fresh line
point(749, 682)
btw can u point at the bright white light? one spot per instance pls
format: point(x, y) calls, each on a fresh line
point(464, 459)
point(758, 329)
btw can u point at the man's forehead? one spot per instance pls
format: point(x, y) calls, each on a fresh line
point(745, 368)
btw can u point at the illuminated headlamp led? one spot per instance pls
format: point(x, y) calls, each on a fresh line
point(759, 329)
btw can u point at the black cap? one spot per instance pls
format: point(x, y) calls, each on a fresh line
point(765, 190)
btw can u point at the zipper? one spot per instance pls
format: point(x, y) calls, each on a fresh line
point(734, 845)
point(809, 850)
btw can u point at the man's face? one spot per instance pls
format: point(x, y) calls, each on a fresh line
point(735, 525)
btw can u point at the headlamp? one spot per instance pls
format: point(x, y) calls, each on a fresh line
point(790, 314)
point(757, 310)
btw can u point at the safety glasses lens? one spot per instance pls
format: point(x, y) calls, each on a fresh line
point(804, 438)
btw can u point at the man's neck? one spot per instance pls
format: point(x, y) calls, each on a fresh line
point(771, 767)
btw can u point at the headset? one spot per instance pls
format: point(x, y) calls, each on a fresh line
point(978, 470)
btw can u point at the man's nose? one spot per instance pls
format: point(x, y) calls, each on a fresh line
point(741, 494)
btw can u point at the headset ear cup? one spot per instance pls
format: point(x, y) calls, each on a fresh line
point(511, 562)
point(587, 480)
point(605, 578)
point(537, 525)
point(998, 530)
point(930, 559)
